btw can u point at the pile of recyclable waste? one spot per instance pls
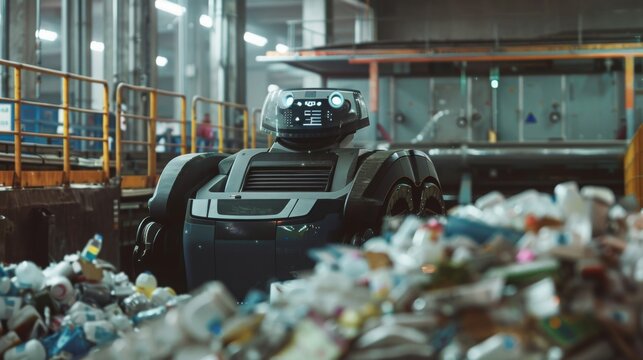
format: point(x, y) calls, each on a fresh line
point(533, 276)
point(65, 310)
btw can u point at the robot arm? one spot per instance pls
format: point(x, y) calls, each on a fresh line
point(158, 238)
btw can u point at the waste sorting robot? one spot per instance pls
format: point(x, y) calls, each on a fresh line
point(250, 218)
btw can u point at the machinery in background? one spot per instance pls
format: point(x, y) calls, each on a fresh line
point(250, 218)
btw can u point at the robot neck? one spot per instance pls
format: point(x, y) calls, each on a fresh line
point(312, 144)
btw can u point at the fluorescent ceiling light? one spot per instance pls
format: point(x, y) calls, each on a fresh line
point(254, 39)
point(46, 35)
point(281, 48)
point(205, 21)
point(169, 7)
point(97, 46)
point(161, 61)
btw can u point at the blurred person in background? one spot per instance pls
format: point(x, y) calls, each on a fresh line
point(205, 134)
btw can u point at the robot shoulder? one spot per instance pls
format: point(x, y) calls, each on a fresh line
point(179, 179)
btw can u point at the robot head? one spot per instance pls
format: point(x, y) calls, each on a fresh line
point(313, 118)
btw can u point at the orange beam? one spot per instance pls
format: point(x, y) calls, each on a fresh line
point(629, 96)
point(629, 82)
point(373, 86)
point(498, 57)
point(476, 49)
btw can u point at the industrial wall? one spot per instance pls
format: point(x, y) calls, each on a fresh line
point(508, 19)
point(443, 109)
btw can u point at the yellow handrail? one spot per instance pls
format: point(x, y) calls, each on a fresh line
point(633, 166)
point(152, 118)
point(46, 178)
point(220, 123)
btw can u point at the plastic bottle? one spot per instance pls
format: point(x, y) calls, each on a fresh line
point(91, 250)
point(100, 331)
point(61, 289)
point(62, 268)
point(146, 284)
point(497, 347)
point(31, 350)
point(6, 287)
point(8, 341)
point(29, 276)
point(160, 296)
point(9, 306)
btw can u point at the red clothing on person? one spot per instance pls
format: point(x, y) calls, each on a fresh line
point(204, 131)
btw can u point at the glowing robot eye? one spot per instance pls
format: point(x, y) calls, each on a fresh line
point(287, 100)
point(336, 100)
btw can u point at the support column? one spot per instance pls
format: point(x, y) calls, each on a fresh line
point(629, 96)
point(317, 30)
point(317, 23)
point(228, 59)
point(75, 38)
point(364, 21)
point(4, 46)
point(116, 45)
point(22, 40)
point(141, 55)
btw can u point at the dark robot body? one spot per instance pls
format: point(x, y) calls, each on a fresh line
point(250, 218)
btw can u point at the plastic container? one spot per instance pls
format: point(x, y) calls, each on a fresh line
point(498, 347)
point(61, 289)
point(29, 276)
point(92, 249)
point(9, 306)
point(99, 332)
point(31, 350)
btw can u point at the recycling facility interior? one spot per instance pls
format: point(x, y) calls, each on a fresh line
point(502, 95)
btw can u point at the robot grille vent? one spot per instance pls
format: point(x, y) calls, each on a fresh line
point(288, 179)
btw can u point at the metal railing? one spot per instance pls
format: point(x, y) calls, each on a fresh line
point(152, 117)
point(221, 126)
point(28, 178)
point(245, 134)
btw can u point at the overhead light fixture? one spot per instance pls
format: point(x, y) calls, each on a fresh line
point(205, 21)
point(46, 35)
point(281, 48)
point(169, 7)
point(254, 39)
point(161, 61)
point(97, 46)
